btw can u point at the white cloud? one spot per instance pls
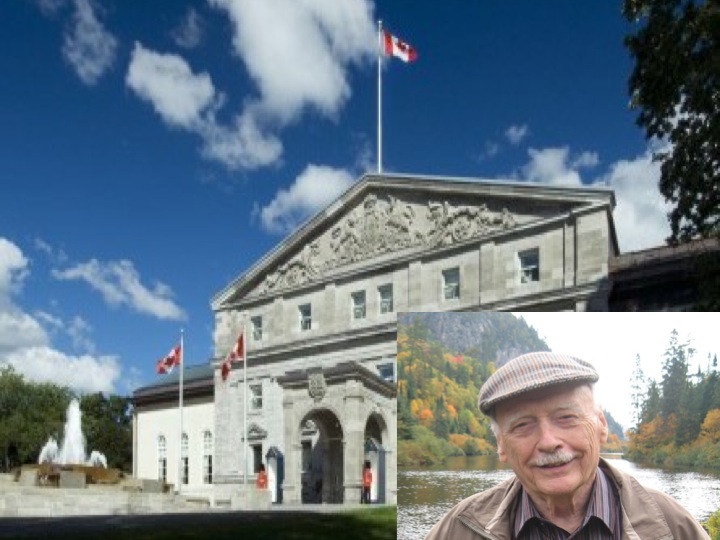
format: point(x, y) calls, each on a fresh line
point(55, 255)
point(189, 101)
point(88, 46)
point(515, 134)
point(119, 284)
point(13, 270)
point(243, 146)
point(188, 34)
point(586, 159)
point(166, 80)
point(83, 373)
point(25, 345)
point(19, 330)
point(641, 211)
point(551, 166)
point(316, 187)
point(491, 150)
point(296, 52)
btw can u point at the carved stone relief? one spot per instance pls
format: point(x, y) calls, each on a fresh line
point(383, 225)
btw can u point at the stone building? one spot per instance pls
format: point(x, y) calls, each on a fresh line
point(320, 317)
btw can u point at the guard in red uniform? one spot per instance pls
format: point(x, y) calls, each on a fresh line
point(366, 484)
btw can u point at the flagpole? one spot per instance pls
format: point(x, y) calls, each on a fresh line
point(182, 370)
point(379, 101)
point(245, 405)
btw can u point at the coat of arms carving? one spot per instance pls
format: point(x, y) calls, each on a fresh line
point(317, 386)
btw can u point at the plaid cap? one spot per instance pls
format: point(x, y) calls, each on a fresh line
point(531, 371)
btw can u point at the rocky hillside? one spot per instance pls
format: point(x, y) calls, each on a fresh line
point(488, 335)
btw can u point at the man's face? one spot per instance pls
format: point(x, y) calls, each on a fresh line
point(551, 438)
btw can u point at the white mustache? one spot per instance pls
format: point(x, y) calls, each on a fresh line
point(556, 458)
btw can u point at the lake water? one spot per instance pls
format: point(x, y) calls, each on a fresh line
point(424, 495)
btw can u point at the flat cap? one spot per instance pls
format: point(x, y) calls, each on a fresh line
point(531, 371)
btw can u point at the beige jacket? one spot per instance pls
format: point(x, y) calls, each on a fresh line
point(647, 514)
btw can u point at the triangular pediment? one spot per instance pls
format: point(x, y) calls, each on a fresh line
point(380, 219)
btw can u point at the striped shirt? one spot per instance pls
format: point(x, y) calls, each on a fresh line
point(603, 518)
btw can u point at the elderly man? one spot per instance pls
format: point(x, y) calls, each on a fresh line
point(549, 429)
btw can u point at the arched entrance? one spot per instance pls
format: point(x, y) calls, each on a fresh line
point(325, 417)
point(375, 434)
point(321, 458)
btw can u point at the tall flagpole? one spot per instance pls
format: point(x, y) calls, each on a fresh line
point(379, 101)
point(245, 405)
point(182, 370)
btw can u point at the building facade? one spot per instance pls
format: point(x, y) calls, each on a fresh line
point(317, 397)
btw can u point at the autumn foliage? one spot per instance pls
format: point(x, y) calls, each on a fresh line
point(679, 417)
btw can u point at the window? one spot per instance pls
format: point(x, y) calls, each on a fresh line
point(387, 372)
point(207, 458)
point(358, 302)
point(529, 265)
point(162, 459)
point(386, 298)
point(184, 458)
point(451, 283)
point(305, 317)
point(257, 457)
point(256, 399)
point(257, 328)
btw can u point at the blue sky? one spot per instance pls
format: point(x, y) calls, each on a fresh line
point(152, 151)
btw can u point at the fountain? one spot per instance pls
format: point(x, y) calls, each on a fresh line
point(72, 449)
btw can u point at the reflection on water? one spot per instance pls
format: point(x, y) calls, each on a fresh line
point(425, 495)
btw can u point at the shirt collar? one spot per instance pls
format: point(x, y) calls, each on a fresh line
point(603, 501)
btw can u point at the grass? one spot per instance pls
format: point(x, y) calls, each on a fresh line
point(379, 523)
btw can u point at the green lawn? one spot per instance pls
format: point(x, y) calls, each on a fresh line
point(378, 523)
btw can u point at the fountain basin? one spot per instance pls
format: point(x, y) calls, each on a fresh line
point(75, 476)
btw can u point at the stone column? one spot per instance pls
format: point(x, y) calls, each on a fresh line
point(292, 484)
point(354, 443)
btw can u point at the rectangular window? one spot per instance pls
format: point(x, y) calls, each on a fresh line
point(305, 317)
point(451, 283)
point(162, 459)
point(256, 399)
point(257, 328)
point(386, 298)
point(387, 372)
point(185, 470)
point(529, 262)
point(184, 445)
point(162, 470)
point(358, 303)
point(207, 457)
point(207, 469)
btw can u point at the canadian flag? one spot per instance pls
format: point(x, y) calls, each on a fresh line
point(393, 46)
point(237, 354)
point(166, 364)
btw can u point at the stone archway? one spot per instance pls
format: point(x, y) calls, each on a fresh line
point(325, 412)
point(321, 443)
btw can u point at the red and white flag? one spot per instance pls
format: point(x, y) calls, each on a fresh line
point(237, 354)
point(166, 364)
point(393, 46)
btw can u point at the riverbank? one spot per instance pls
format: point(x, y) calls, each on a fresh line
point(425, 494)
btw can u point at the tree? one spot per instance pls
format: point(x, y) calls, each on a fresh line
point(637, 391)
point(674, 84)
point(675, 375)
point(107, 425)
